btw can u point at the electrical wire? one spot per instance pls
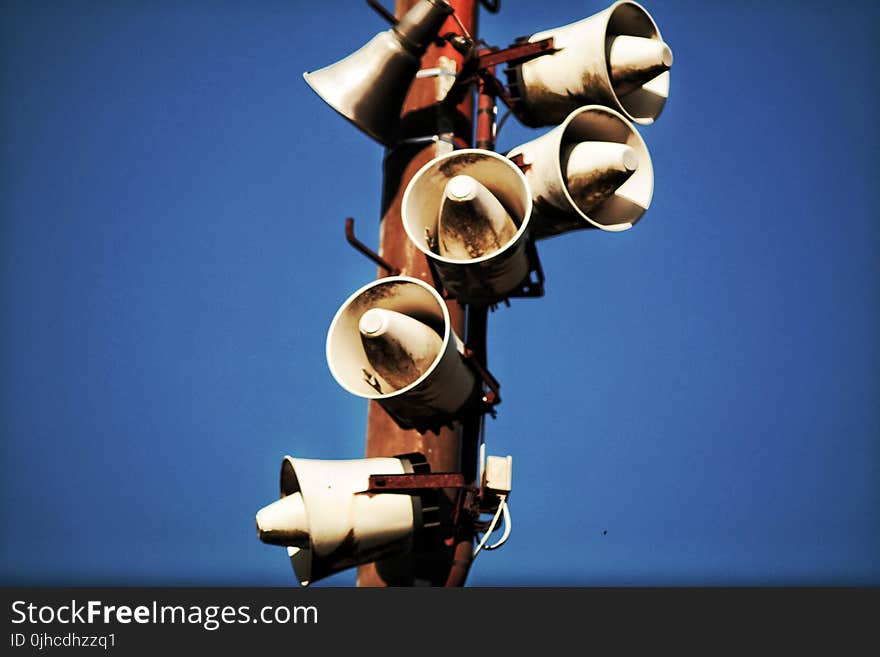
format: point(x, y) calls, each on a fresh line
point(508, 526)
point(502, 509)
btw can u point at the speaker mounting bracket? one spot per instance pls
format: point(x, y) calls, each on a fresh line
point(518, 52)
point(412, 482)
point(470, 501)
point(492, 397)
point(480, 67)
point(367, 251)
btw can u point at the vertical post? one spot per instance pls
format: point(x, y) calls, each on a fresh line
point(477, 320)
point(422, 116)
point(486, 111)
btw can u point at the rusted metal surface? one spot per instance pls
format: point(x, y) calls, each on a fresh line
point(520, 162)
point(517, 53)
point(415, 482)
point(486, 110)
point(422, 116)
point(367, 251)
point(477, 362)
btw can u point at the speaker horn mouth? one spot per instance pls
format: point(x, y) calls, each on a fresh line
point(352, 86)
point(422, 198)
point(345, 352)
point(626, 205)
point(644, 104)
point(342, 527)
point(559, 209)
point(547, 88)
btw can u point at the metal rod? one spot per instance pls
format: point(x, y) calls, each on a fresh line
point(479, 365)
point(367, 251)
point(411, 482)
point(384, 13)
point(464, 30)
point(519, 52)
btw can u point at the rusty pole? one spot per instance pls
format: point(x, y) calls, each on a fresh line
point(422, 117)
point(486, 111)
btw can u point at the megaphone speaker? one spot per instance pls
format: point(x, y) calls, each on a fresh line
point(369, 86)
point(468, 211)
point(592, 171)
point(326, 523)
point(392, 342)
point(614, 58)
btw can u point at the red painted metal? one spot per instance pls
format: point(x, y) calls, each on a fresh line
point(520, 52)
point(486, 109)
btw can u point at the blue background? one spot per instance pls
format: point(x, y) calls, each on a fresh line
point(703, 387)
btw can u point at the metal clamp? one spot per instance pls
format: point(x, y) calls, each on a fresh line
point(493, 396)
point(470, 501)
point(434, 72)
point(444, 138)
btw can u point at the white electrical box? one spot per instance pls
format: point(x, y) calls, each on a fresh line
point(498, 474)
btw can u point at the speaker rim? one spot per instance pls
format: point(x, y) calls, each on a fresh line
point(343, 308)
point(511, 243)
point(563, 127)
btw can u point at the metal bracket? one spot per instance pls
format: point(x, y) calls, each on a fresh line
point(384, 13)
point(493, 397)
point(434, 72)
point(516, 53)
point(519, 161)
point(470, 501)
point(367, 251)
point(480, 403)
point(446, 138)
point(480, 68)
point(410, 483)
point(532, 285)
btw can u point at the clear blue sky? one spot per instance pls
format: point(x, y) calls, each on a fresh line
point(703, 387)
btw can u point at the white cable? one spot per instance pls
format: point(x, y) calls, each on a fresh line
point(491, 528)
point(508, 525)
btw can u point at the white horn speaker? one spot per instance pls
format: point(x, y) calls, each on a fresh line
point(392, 341)
point(592, 171)
point(369, 86)
point(468, 211)
point(614, 58)
point(328, 524)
